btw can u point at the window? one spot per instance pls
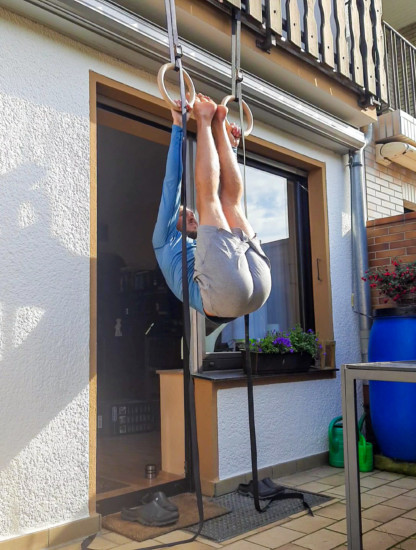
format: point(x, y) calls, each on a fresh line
point(277, 207)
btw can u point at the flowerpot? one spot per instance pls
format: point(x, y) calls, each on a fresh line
point(276, 363)
point(393, 404)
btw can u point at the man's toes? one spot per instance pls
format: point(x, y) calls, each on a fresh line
point(214, 103)
point(221, 113)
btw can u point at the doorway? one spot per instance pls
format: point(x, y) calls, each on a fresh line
point(139, 320)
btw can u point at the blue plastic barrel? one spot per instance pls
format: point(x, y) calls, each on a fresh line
point(393, 404)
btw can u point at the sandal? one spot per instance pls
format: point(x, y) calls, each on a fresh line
point(270, 483)
point(151, 514)
point(264, 490)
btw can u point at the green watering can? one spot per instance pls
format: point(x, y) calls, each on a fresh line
point(365, 455)
point(336, 443)
point(336, 446)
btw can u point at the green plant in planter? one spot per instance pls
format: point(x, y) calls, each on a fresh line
point(398, 284)
point(295, 340)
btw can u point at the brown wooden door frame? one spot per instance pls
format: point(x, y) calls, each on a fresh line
point(318, 214)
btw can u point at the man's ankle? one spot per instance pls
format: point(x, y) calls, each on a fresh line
point(202, 123)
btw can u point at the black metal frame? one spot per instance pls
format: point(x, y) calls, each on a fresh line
point(233, 360)
point(304, 255)
point(400, 62)
point(303, 243)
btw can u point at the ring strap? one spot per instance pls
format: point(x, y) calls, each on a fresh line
point(175, 50)
point(236, 74)
point(189, 390)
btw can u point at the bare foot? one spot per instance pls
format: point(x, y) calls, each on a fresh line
point(204, 108)
point(220, 114)
point(220, 123)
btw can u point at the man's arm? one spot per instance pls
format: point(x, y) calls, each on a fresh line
point(171, 191)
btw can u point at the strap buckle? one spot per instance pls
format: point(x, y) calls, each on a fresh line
point(177, 52)
point(236, 73)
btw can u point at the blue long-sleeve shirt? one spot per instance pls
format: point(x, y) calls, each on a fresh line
point(167, 240)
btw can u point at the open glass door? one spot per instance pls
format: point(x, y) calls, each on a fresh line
point(139, 320)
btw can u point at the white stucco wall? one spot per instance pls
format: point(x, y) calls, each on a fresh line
point(44, 290)
point(44, 266)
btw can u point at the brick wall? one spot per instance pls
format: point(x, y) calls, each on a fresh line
point(389, 238)
point(385, 186)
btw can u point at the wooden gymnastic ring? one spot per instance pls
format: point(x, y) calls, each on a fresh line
point(247, 112)
point(161, 84)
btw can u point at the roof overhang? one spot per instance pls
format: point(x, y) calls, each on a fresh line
point(126, 36)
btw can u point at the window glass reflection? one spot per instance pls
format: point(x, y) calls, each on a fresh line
point(271, 206)
point(267, 204)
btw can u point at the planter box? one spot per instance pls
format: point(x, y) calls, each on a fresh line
point(275, 363)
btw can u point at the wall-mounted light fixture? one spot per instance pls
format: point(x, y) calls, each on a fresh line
point(397, 152)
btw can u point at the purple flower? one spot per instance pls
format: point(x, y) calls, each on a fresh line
point(282, 342)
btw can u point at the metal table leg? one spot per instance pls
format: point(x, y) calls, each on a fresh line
point(399, 371)
point(352, 475)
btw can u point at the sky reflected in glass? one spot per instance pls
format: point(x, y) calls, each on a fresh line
point(267, 204)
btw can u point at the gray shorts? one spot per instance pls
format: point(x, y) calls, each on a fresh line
point(232, 272)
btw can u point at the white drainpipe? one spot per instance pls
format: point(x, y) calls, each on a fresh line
point(361, 292)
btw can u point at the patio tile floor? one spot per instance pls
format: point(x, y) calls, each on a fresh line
point(388, 512)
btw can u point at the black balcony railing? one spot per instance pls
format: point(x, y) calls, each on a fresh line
point(400, 61)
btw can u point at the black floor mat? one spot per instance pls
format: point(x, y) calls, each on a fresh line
point(244, 517)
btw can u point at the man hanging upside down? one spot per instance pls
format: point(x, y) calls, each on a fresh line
point(228, 272)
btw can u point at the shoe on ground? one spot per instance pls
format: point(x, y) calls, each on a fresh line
point(270, 483)
point(151, 514)
point(264, 490)
point(161, 499)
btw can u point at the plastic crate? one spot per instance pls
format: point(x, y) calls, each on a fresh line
point(129, 417)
